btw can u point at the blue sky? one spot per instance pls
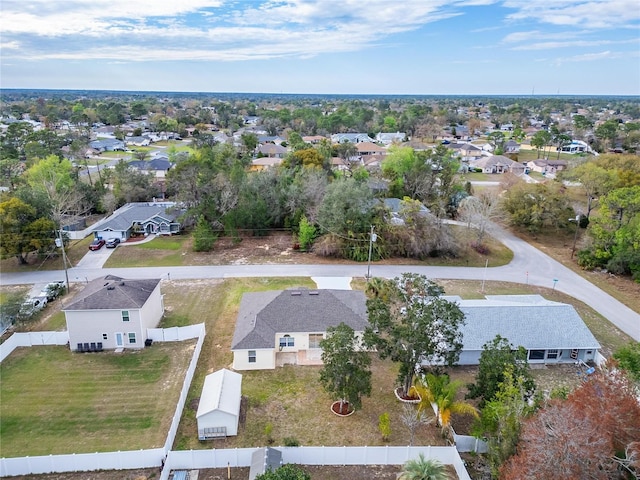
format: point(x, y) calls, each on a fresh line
point(324, 46)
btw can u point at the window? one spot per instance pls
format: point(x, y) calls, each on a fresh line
point(104, 336)
point(286, 341)
point(552, 354)
point(252, 356)
point(132, 338)
point(314, 340)
point(536, 354)
point(125, 315)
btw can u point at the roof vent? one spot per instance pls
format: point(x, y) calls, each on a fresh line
point(122, 284)
point(314, 292)
point(296, 293)
point(111, 287)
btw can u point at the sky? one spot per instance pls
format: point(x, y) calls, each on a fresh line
point(413, 47)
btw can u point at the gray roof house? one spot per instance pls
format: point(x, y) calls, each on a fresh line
point(108, 145)
point(281, 327)
point(551, 332)
point(497, 164)
point(113, 313)
point(141, 218)
point(350, 137)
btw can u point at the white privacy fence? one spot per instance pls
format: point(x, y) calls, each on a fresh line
point(82, 462)
point(241, 457)
point(194, 459)
point(175, 334)
point(186, 384)
point(108, 460)
point(30, 339)
point(467, 443)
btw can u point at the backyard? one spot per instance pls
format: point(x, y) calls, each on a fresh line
point(55, 401)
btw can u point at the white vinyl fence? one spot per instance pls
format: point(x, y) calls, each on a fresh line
point(175, 334)
point(467, 443)
point(241, 457)
point(30, 339)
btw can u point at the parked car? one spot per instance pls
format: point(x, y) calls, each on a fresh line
point(112, 243)
point(96, 244)
point(32, 305)
point(53, 290)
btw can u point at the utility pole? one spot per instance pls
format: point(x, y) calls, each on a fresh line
point(372, 238)
point(60, 243)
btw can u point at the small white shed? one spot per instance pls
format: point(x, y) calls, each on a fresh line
point(219, 407)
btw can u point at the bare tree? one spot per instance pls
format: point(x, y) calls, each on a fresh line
point(412, 419)
point(478, 211)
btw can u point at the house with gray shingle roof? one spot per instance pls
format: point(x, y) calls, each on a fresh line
point(112, 313)
point(139, 218)
point(281, 327)
point(551, 332)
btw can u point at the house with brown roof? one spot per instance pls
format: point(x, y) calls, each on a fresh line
point(113, 313)
point(279, 327)
point(271, 150)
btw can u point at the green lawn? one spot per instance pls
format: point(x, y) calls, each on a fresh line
point(55, 401)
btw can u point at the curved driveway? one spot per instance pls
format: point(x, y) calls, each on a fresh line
point(529, 265)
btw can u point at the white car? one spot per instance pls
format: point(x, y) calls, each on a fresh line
point(33, 304)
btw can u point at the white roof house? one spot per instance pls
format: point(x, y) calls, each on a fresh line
point(219, 407)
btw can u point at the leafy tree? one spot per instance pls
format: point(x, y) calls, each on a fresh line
point(384, 425)
point(132, 185)
point(423, 469)
point(411, 323)
point(537, 206)
point(306, 157)
point(22, 231)
point(287, 471)
point(582, 436)
point(540, 140)
point(496, 139)
point(306, 234)
point(203, 236)
point(441, 392)
point(497, 356)
point(501, 418)
point(347, 212)
point(608, 132)
point(345, 372)
point(628, 358)
point(595, 180)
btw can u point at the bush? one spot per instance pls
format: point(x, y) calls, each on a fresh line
point(291, 442)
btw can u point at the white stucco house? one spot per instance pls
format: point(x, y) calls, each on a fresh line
point(281, 327)
point(113, 313)
point(219, 407)
point(551, 332)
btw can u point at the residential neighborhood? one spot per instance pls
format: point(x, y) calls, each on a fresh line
point(221, 258)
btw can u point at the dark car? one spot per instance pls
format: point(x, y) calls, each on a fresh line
point(96, 244)
point(112, 243)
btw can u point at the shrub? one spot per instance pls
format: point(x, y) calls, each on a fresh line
point(291, 442)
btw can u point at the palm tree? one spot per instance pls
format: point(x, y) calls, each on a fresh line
point(439, 392)
point(422, 469)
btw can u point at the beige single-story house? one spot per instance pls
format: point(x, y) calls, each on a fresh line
point(113, 313)
point(546, 166)
point(281, 327)
point(497, 164)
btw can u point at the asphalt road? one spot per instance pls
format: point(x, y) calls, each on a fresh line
point(529, 265)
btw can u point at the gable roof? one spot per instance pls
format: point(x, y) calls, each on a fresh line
point(123, 218)
point(114, 293)
point(221, 391)
point(263, 314)
point(156, 163)
point(527, 320)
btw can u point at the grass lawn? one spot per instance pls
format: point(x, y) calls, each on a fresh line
point(288, 398)
point(55, 401)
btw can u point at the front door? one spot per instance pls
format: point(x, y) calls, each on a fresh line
point(119, 341)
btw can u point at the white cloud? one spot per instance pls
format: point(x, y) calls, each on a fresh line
point(588, 57)
point(581, 13)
